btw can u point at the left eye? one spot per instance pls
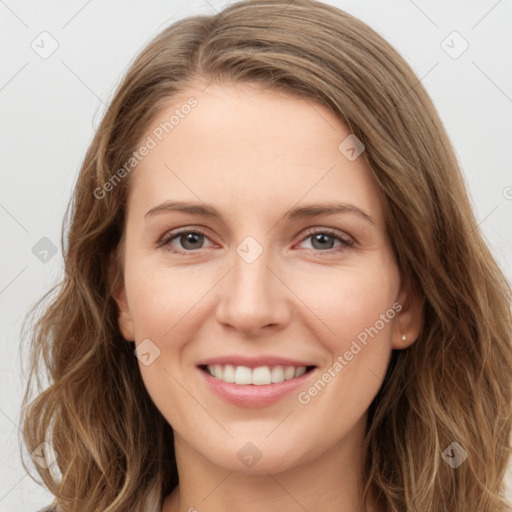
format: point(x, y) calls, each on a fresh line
point(192, 240)
point(324, 239)
point(189, 238)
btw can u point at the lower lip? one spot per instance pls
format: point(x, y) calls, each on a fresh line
point(251, 395)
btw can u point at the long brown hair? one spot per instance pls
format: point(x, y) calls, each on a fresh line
point(114, 448)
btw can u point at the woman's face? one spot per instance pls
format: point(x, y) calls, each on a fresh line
point(267, 281)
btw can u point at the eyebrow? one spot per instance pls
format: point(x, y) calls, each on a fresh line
point(301, 212)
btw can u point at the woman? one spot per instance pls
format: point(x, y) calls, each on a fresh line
point(276, 289)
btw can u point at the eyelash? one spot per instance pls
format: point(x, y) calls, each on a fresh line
point(169, 237)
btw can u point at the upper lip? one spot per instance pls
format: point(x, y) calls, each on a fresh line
point(253, 362)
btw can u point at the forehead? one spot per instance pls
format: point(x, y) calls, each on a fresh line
point(249, 149)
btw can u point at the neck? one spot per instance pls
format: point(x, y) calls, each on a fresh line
point(329, 482)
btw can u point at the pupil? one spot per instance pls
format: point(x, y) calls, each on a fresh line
point(191, 238)
point(321, 236)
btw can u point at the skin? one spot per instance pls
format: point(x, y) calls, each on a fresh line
point(254, 154)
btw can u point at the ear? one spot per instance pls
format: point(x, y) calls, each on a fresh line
point(124, 318)
point(409, 319)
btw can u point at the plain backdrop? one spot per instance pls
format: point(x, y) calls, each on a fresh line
point(51, 104)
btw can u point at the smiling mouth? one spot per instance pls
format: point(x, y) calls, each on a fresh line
point(260, 376)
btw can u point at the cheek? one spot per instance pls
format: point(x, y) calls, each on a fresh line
point(355, 307)
point(163, 301)
point(349, 301)
point(160, 296)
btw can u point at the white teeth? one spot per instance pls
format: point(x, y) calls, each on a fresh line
point(301, 370)
point(229, 373)
point(289, 372)
point(242, 375)
point(258, 376)
point(277, 374)
point(261, 376)
point(217, 371)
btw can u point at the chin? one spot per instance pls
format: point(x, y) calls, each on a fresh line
point(257, 459)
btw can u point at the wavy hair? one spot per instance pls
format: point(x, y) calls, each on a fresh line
point(114, 449)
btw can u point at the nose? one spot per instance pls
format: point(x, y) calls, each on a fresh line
point(254, 297)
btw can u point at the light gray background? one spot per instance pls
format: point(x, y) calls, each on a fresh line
point(51, 106)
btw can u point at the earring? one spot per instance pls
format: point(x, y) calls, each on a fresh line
point(404, 337)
